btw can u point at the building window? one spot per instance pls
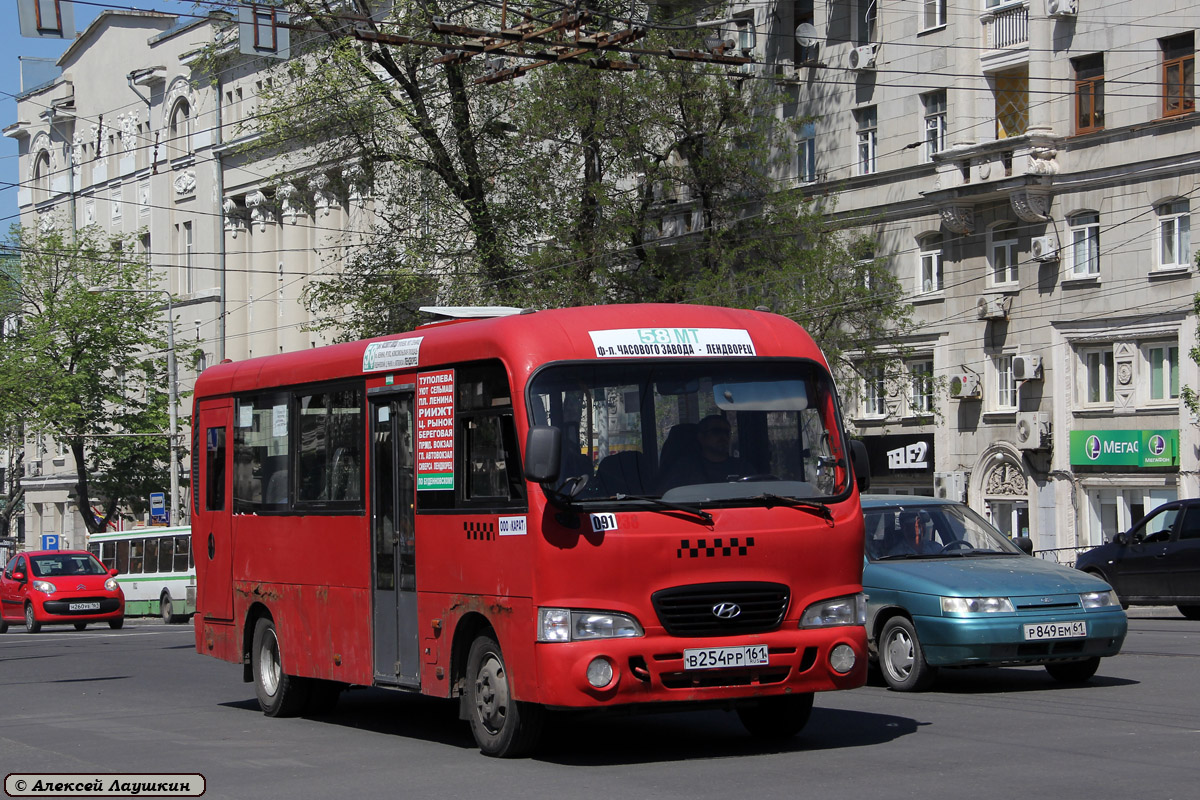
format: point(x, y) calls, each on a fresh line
point(185, 257)
point(1002, 253)
point(1006, 388)
point(1162, 361)
point(803, 13)
point(1097, 376)
point(865, 19)
point(935, 123)
point(1012, 102)
point(1085, 244)
point(933, 14)
point(865, 119)
point(930, 278)
point(1174, 234)
point(1179, 74)
point(806, 153)
point(181, 130)
point(874, 392)
point(920, 399)
point(1089, 93)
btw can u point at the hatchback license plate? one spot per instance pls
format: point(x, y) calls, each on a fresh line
point(84, 607)
point(750, 655)
point(1056, 630)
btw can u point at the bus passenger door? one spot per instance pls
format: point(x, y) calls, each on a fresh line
point(212, 543)
point(394, 575)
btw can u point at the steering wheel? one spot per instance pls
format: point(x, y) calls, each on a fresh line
point(957, 543)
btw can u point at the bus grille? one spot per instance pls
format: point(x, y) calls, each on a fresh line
point(691, 610)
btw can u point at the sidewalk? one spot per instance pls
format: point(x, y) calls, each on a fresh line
point(1146, 612)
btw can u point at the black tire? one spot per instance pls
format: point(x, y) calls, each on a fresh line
point(279, 694)
point(117, 624)
point(3, 626)
point(1191, 612)
point(81, 626)
point(902, 659)
point(31, 623)
point(776, 717)
point(167, 611)
point(1074, 671)
point(502, 726)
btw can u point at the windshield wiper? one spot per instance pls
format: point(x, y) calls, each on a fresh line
point(699, 513)
point(811, 506)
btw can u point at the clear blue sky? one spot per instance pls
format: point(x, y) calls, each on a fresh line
point(13, 45)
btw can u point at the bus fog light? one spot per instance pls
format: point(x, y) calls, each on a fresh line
point(600, 672)
point(842, 659)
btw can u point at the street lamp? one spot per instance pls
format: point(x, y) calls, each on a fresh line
point(172, 382)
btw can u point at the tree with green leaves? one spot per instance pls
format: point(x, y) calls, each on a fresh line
point(665, 181)
point(85, 367)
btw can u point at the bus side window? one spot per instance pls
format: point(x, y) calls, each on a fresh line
point(214, 467)
point(165, 553)
point(183, 546)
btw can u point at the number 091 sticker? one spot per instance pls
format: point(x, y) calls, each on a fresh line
point(604, 522)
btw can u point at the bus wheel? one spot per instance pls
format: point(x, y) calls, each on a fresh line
point(776, 717)
point(502, 726)
point(81, 626)
point(279, 694)
point(165, 609)
point(31, 623)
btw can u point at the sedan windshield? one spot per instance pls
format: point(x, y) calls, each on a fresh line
point(915, 531)
point(694, 431)
point(58, 566)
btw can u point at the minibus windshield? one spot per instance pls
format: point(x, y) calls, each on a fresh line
point(695, 430)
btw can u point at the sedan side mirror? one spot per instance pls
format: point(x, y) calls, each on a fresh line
point(19, 577)
point(1025, 543)
point(113, 572)
point(1121, 539)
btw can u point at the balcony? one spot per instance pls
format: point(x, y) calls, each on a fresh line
point(1005, 36)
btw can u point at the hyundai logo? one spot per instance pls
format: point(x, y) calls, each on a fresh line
point(726, 610)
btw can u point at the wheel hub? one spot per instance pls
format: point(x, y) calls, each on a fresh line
point(899, 655)
point(491, 694)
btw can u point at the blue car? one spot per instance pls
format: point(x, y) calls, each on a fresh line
point(946, 589)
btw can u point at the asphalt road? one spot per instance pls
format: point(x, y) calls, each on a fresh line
point(141, 700)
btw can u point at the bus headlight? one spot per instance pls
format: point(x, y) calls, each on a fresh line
point(570, 625)
point(45, 587)
point(848, 610)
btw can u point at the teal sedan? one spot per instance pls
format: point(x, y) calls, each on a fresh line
point(946, 589)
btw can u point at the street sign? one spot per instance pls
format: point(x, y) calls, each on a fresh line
point(158, 509)
point(49, 541)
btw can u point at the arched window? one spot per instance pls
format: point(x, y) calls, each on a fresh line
point(41, 176)
point(180, 129)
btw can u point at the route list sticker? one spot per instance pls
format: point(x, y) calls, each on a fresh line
point(672, 342)
point(435, 431)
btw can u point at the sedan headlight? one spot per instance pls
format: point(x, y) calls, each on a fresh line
point(848, 610)
point(976, 605)
point(570, 625)
point(1099, 599)
point(45, 587)
point(111, 584)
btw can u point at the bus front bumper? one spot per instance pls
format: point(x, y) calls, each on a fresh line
point(653, 669)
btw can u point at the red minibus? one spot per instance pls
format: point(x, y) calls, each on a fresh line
point(627, 506)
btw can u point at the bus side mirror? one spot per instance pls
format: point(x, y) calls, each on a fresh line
point(543, 453)
point(1025, 543)
point(862, 464)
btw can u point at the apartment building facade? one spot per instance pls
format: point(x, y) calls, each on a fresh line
point(137, 137)
point(1029, 169)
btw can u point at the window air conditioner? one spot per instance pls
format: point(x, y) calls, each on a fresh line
point(1033, 430)
point(863, 57)
point(1045, 248)
point(950, 486)
point(1027, 368)
point(965, 386)
point(1061, 8)
point(993, 306)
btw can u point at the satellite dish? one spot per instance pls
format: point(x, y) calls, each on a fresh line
point(806, 34)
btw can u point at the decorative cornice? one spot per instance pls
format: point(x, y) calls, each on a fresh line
point(1031, 204)
point(958, 219)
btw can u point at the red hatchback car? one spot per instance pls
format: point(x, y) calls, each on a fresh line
point(59, 587)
